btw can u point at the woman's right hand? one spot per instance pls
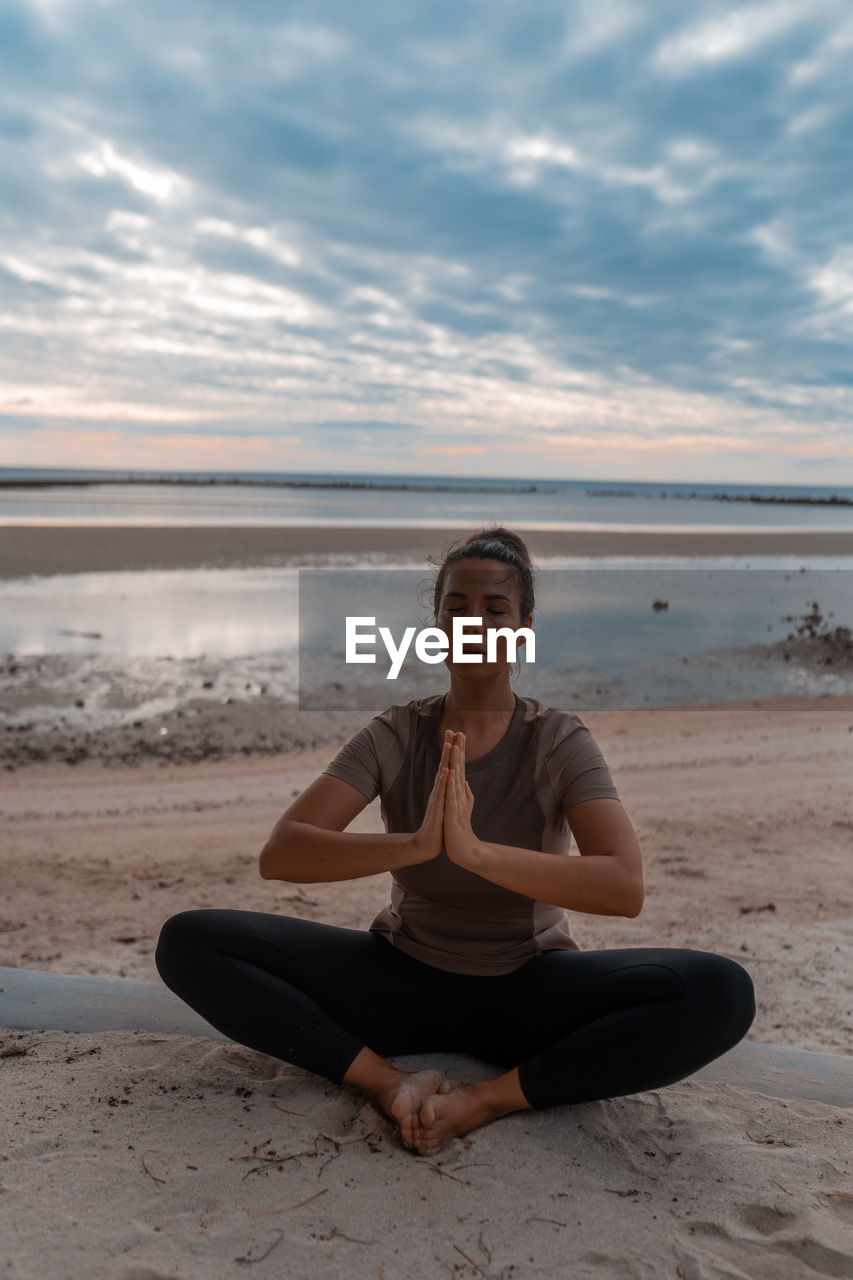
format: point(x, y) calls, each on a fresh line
point(428, 840)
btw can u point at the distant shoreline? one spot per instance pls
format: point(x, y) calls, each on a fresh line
point(46, 550)
point(398, 486)
point(800, 500)
point(405, 486)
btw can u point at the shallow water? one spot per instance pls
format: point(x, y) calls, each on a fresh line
point(584, 609)
point(185, 613)
point(146, 641)
point(436, 502)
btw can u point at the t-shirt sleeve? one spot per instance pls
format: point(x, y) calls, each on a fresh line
point(576, 766)
point(359, 761)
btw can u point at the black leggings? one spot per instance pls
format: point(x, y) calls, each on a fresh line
point(579, 1025)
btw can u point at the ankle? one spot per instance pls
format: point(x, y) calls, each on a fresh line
point(372, 1074)
point(503, 1094)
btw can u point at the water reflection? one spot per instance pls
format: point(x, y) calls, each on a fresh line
point(613, 635)
point(222, 613)
point(166, 635)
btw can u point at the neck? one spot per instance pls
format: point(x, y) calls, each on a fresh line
point(480, 704)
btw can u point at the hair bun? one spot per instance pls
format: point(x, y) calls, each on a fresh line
point(503, 537)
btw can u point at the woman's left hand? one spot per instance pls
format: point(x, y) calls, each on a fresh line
point(460, 841)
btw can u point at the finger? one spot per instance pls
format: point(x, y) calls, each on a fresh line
point(435, 804)
point(460, 746)
point(456, 790)
point(441, 771)
point(436, 797)
point(450, 792)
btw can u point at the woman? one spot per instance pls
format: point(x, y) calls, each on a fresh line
point(481, 791)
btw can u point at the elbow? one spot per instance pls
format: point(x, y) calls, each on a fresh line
point(272, 858)
point(635, 903)
point(272, 864)
point(265, 863)
point(630, 895)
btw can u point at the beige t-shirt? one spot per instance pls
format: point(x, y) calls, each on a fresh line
point(442, 913)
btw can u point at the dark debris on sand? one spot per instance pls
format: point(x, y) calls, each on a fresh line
point(190, 733)
point(813, 642)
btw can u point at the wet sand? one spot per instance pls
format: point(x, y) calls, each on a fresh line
point(55, 549)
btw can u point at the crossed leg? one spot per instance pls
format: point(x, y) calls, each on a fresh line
point(569, 1026)
point(595, 1024)
point(315, 995)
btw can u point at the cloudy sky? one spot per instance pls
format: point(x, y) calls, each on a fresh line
point(596, 238)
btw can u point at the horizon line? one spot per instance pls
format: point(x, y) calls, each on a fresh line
point(115, 473)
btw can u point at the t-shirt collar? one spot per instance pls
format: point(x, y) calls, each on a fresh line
point(497, 752)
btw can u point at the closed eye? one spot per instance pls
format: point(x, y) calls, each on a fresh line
point(499, 613)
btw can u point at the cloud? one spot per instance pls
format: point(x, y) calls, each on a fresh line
point(739, 33)
point(160, 184)
point(610, 217)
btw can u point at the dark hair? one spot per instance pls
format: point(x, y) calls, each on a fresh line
point(495, 543)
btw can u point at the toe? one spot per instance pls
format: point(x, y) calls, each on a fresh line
point(401, 1107)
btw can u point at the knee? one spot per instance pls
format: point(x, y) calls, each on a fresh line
point(743, 994)
point(727, 988)
point(180, 938)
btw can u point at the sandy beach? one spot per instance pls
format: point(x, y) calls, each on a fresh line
point(139, 1156)
point(54, 549)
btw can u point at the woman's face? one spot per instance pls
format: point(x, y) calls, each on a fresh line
point(483, 589)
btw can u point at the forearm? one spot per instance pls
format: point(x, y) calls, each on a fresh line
point(596, 883)
point(305, 854)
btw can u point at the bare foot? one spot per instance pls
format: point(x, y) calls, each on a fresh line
point(447, 1115)
point(402, 1100)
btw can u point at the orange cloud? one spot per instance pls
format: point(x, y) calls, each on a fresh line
point(114, 450)
point(450, 450)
